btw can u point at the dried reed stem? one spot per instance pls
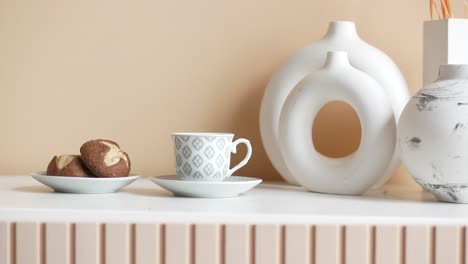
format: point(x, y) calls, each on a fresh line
point(466, 6)
point(448, 5)
point(439, 15)
point(444, 9)
point(431, 8)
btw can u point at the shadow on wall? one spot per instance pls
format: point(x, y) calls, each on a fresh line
point(246, 124)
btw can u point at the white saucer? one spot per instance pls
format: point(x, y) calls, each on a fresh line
point(84, 185)
point(230, 187)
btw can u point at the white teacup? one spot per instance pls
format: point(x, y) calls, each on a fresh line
point(206, 156)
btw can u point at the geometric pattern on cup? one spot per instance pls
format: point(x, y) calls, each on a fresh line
point(202, 157)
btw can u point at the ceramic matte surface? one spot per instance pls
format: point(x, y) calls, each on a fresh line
point(433, 135)
point(83, 185)
point(206, 156)
point(341, 35)
point(353, 174)
point(230, 187)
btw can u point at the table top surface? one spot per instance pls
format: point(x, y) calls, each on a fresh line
point(24, 199)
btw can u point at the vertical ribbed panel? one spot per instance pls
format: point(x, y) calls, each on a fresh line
point(178, 244)
point(297, 244)
point(418, 245)
point(238, 244)
point(267, 244)
point(88, 243)
point(28, 243)
point(57, 245)
point(148, 244)
point(388, 244)
point(5, 243)
point(447, 245)
point(464, 245)
point(125, 243)
point(358, 244)
point(117, 243)
point(207, 244)
point(328, 248)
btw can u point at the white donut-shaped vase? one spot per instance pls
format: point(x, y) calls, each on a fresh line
point(353, 174)
point(341, 35)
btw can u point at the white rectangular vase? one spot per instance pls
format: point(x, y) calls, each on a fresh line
point(445, 42)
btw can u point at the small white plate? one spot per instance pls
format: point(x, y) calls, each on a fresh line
point(84, 185)
point(230, 187)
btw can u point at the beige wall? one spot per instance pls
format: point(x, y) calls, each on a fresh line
point(135, 71)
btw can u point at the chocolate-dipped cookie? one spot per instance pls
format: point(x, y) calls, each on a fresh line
point(68, 165)
point(105, 158)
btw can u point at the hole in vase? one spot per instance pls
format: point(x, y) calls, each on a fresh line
point(336, 131)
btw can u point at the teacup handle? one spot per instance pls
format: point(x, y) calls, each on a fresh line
point(247, 156)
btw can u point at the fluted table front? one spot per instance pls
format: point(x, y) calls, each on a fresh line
point(274, 223)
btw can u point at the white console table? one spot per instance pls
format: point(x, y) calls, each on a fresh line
point(272, 224)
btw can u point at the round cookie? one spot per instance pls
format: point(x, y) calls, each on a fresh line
point(105, 158)
point(68, 165)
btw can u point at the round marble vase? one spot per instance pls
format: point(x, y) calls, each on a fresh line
point(433, 135)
